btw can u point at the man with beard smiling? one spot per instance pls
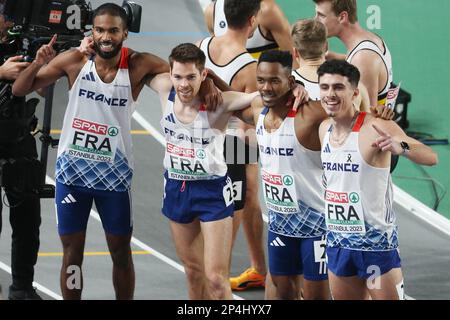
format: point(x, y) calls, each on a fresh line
point(95, 161)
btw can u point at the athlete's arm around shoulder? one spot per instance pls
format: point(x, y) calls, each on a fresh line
point(387, 135)
point(250, 115)
point(40, 75)
point(307, 122)
point(144, 67)
point(235, 101)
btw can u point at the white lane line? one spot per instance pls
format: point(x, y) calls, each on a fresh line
point(147, 126)
point(38, 286)
point(142, 245)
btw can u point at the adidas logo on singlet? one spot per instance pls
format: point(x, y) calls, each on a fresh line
point(170, 118)
point(327, 149)
point(259, 131)
point(277, 243)
point(69, 199)
point(89, 76)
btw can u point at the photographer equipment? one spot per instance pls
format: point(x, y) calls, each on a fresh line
point(36, 21)
point(20, 171)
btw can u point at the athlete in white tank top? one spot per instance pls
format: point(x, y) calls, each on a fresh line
point(354, 221)
point(312, 87)
point(193, 151)
point(288, 190)
point(227, 73)
point(95, 149)
point(385, 55)
point(256, 44)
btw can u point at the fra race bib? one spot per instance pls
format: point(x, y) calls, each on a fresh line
point(343, 212)
point(279, 192)
point(187, 163)
point(93, 141)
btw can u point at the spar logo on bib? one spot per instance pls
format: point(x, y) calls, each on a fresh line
point(353, 197)
point(179, 151)
point(93, 141)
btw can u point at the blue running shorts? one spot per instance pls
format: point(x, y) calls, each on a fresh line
point(296, 256)
point(73, 205)
point(206, 200)
point(346, 263)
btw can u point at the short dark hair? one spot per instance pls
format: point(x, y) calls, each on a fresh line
point(282, 57)
point(342, 68)
point(113, 10)
point(188, 53)
point(237, 12)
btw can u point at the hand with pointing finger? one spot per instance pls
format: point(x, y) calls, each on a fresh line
point(386, 143)
point(46, 53)
point(87, 46)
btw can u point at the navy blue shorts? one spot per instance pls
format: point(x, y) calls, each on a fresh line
point(74, 204)
point(346, 263)
point(297, 256)
point(206, 200)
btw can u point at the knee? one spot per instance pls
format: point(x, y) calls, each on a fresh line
point(217, 284)
point(121, 257)
point(285, 290)
point(252, 200)
point(194, 273)
point(72, 255)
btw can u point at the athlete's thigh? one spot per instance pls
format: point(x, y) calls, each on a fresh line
point(347, 288)
point(188, 241)
point(114, 209)
point(388, 286)
point(73, 205)
point(251, 171)
point(217, 242)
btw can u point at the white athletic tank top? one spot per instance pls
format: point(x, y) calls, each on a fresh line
point(311, 87)
point(256, 44)
point(220, 21)
point(95, 148)
point(385, 56)
point(227, 73)
point(194, 151)
point(291, 176)
point(358, 197)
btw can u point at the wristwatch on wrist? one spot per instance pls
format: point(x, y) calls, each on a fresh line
point(405, 147)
